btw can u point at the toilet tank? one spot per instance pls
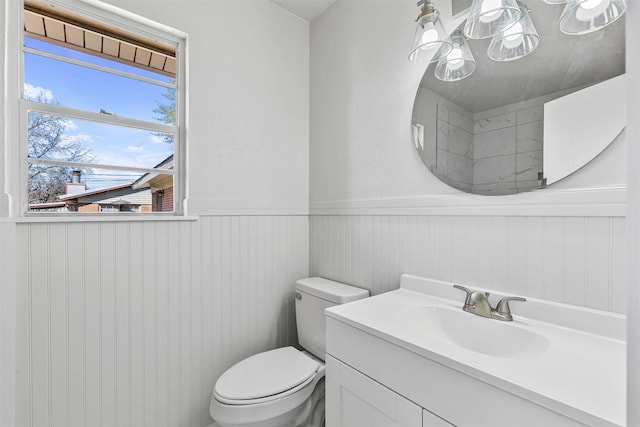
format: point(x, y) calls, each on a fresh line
point(312, 296)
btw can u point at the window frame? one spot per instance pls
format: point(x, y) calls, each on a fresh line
point(144, 27)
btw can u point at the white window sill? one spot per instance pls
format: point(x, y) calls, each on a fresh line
point(98, 218)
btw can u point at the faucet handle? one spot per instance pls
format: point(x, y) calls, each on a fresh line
point(470, 291)
point(467, 290)
point(503, 306)
point(470, 294)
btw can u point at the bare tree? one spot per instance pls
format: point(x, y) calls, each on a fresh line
point(47, 139)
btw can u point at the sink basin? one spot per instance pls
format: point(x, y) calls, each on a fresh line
point(482, 335)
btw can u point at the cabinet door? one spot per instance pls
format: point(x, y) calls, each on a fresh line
point(430, 420)
point(355, 400)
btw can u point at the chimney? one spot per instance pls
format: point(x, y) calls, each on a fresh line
point(75, 187)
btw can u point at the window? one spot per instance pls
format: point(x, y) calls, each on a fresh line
point(119, 208)
point(101, 111)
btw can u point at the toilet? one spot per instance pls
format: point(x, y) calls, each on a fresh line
point(284, 387)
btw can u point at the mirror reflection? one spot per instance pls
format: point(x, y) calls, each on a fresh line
point(520, 125)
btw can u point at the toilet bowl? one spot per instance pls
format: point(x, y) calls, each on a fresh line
point(281, 397)
point(284, 387)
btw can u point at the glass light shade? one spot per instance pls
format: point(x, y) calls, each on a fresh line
point(486, 16)
point(430, 40)
point(457, 64)
point(586, 16)
point(514, 41)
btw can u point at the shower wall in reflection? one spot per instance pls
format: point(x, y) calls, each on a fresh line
point(497, 153)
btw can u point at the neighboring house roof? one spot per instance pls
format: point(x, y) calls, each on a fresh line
point(92, 192)
point(150, 178)
point(114, 196)
point(134, 193)
point(50, 205)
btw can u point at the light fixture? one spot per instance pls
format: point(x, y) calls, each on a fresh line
point(514, 41)
point(430, 40)
point(486, 16)
point(508, 23)
point(457, 64)
point(586, 16)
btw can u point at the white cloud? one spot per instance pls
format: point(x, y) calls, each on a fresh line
point(70, 125)
point(84, 137)
point(35, 92)
point(81, 137)
point(157, 139)
point(135, 148)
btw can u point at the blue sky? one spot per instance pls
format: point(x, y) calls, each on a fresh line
point(87, 89)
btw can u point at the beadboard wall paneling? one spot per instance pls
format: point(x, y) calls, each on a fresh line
point(575, 260)
point(7, 323)
point(130, 323)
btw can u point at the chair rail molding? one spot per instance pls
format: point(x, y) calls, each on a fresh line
point(601, 201)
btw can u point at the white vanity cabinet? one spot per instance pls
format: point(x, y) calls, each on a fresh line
point(382, 370)
point(369, 382)
point(353, 399)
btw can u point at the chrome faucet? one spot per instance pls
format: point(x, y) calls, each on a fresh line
point(477, 302)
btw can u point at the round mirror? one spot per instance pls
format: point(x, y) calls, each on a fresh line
point(518, 125)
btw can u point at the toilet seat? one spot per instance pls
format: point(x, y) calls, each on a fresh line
point(265, 377)
point(281, 410)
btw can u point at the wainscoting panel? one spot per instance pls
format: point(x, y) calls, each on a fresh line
point(576, 260)
point(130, 323)
point(7, 323)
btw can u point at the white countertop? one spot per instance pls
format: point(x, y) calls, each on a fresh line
point(580, 374)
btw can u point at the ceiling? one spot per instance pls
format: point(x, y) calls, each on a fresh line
point(561, 62)
point(305, 9)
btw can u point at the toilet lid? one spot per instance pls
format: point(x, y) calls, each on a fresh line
point(266, 374)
